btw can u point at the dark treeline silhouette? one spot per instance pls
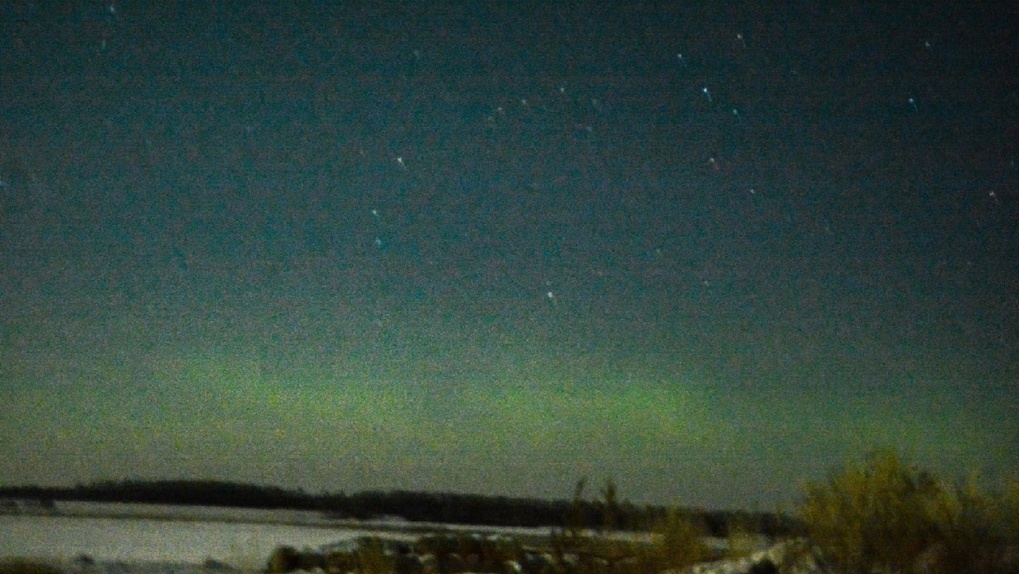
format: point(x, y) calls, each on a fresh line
point(450, 508)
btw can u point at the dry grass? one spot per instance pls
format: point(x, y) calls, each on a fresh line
point(372, 558)
point(741, 540)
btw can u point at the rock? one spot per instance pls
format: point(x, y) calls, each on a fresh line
point(429, 564)
point(789, 557)
point(288, 559)
point(452, 563)
point(407, 563)
point(765, 566)
point(539, 563)
point(213, 564)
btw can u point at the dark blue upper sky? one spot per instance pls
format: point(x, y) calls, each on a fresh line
point(710, 249)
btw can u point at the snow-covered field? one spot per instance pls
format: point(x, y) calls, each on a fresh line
point(139, 538)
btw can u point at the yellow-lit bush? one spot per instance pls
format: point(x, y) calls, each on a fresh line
point(1010, 509)
point(872, 517)
point(885, 516)
point(975, 532)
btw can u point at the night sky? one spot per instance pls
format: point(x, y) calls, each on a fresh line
point(708, 249)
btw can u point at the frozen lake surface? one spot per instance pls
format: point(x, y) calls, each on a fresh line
point(134, 539)
point(87, 538)
point(123, 537)
point(120, 537)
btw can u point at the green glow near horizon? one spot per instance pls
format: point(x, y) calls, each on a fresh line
point(226, 415)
